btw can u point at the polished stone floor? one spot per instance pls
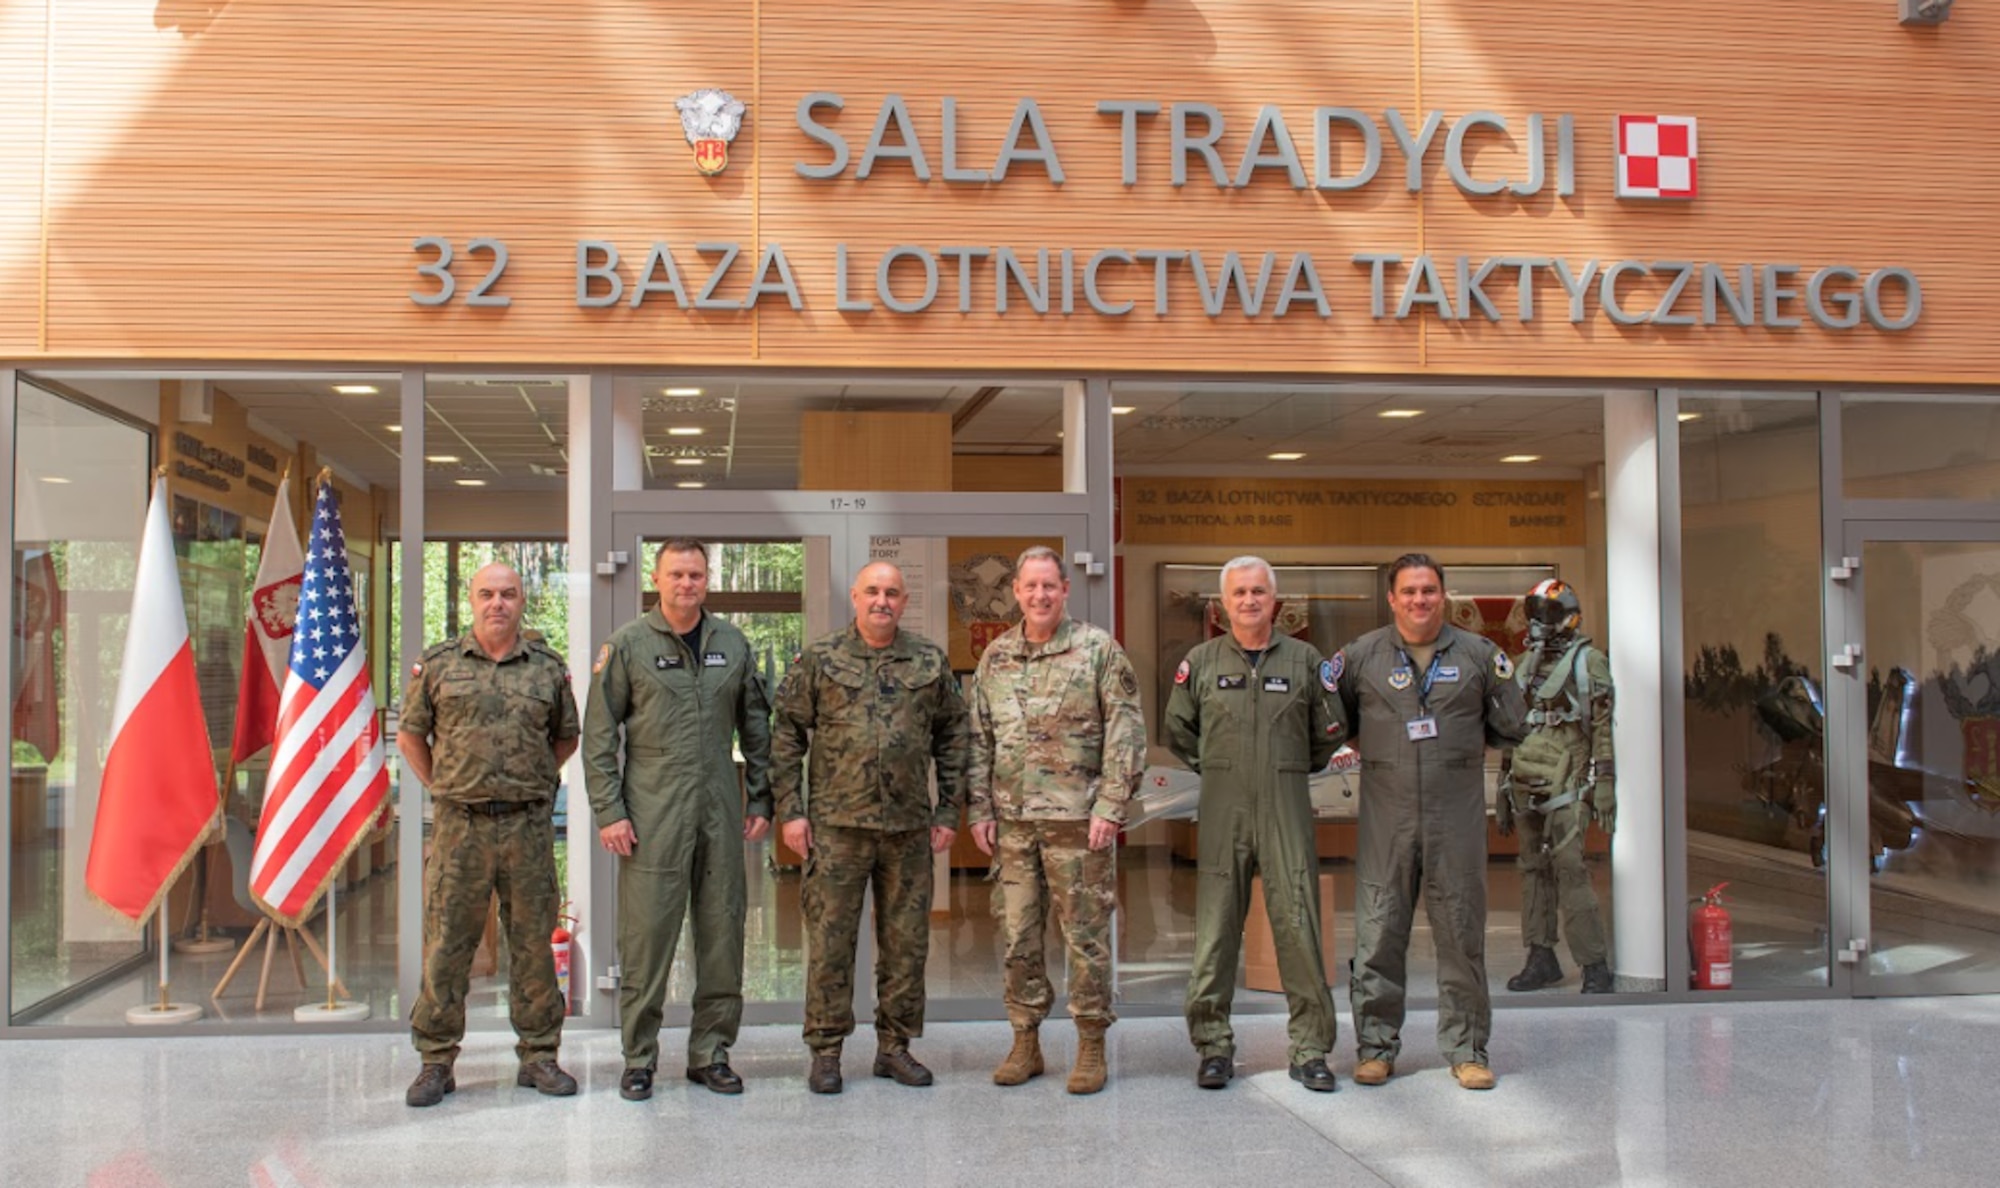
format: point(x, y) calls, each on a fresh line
point(1768, 1094)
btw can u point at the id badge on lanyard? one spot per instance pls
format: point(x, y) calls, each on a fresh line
point(1423, 726)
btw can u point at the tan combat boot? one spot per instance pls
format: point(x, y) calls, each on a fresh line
point(1088, 1075)
point(1024, 1061)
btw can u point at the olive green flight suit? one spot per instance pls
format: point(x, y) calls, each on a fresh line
point(680, 710)
point(1561, 776)
point(1423, 827)
point(1255, 733)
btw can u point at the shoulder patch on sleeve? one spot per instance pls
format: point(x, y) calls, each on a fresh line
point(1128, 683)
point(1502, 666)
point(1330, 670)
point(1181, 674)
point(417, 669)
point(603, 658)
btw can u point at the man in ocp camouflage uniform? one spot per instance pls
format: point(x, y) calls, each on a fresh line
point(486, 724)
point(1058, 746)
point(875, 708)
point(1560, 779)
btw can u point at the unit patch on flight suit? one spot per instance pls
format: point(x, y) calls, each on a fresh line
point(603, 658)
point(1503, 667)
point(1330, 670)
point(1181, 674)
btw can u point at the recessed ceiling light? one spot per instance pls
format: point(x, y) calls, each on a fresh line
point(684, 431)
point(1688, 417)
point(680, 391)
point(57, 479)
point(1522, 458)
point(356, 389)
point(1400, 414)
point(441, 459)
point(393, 428)
point(696, 486)
point(687, 461)
point(1119, 410)
point(1285, 457)
point(470, 482)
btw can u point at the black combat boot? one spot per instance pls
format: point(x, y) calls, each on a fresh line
point(1541, 970)
point(1597, 978)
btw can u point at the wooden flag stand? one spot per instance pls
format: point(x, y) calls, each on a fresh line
point(269, 930)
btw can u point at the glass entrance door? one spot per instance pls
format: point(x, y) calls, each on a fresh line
point(783, 577)
point(1914, 828)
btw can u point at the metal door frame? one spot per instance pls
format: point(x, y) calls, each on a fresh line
point(1848, 861)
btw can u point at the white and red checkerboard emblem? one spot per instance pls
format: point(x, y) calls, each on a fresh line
point(1656, 156)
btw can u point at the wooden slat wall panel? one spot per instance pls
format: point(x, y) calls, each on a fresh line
point(264, 201)
point(258, 199)
point(22, 77)
point(1838, 138)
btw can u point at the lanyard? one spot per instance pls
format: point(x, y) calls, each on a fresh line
point(1430, 676)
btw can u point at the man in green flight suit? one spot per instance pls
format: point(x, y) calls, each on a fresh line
point(681, 684)
point(876, 708)
point(1560, 779)
point(1255, 713)
point(486, 725)
point(1424, 700)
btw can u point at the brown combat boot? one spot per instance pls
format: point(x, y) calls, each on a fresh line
point(1024, 1061)
point(1088, 1075)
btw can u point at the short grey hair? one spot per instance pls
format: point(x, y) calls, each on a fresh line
point(1039, 553)
point(1246, 561)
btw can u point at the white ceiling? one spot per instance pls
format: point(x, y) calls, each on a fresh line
point(511, 433)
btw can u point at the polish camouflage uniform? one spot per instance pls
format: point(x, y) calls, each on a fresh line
point(1057, 738)
point(864, 725)
point(1555, 778)
point(679, 711)
point(492, 725)
point(1423, 827)
point(1256, 732)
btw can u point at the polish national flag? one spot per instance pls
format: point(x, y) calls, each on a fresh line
point(267, 631)
point(158, 802)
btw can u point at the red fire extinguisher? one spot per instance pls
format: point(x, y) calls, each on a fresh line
point(1710, 941)
point(563, 942)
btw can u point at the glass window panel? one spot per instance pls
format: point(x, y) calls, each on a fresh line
point(1330, 483)
point(1919, 446)
point(79, 504)
point(1751, 631)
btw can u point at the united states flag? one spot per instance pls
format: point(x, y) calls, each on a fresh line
point(327, 780)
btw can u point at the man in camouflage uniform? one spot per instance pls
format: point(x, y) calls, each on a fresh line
point(1255, 713)
point(486, 725)
point(1424, 700)
point(1058, 746)
point(875, 708)
point(1560, 779)
point(680, 687)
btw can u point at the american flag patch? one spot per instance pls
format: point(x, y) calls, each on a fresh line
point(1656, 156)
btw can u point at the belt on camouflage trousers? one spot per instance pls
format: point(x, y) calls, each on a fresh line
point(492, 808)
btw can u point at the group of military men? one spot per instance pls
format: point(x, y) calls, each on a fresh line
point(1044, 757)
